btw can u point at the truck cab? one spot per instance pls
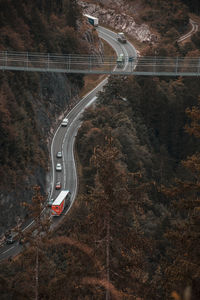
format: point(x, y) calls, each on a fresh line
point(121, 37)
point(120, 60)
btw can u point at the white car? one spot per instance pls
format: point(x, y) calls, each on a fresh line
point(58, 167)
point(64, 122)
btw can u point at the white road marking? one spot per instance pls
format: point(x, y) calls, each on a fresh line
point(75, 190)
point(28, 226)
point(52, 144)
point(52, 161)
point(8, 250)
point(103, 82)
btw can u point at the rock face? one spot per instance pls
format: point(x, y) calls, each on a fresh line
point(119, 21)
point(94, 44)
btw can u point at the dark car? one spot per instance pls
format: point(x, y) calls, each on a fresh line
point(131, 58)
point(50, 202)
point(10, 240)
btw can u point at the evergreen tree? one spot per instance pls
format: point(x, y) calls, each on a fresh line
point(114, 204)
point(182, 269)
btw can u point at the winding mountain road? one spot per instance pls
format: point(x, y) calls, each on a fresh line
point(64, 139)
point(194, 29)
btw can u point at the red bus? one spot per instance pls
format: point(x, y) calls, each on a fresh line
point(60, 203)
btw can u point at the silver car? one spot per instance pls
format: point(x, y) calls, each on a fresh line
point(64, 122)
point(59, 154)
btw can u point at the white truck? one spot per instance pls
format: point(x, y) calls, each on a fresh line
point(121, 37)
point(92, 20)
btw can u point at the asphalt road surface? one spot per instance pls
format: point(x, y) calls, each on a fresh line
point(64, 139)
point(194, 29)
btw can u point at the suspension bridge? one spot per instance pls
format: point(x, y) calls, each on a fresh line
point(93, 64)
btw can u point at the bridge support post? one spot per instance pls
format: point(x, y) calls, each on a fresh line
point(110, 65)
point(27, 60)
point(6, 59)
point(198, 69)
point(69, 62)
point(176, 69)
point(48, 62)
point(154, 65)
point(90, 63)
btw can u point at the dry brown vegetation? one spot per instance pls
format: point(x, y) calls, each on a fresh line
point(31, 102)
point(133, 232)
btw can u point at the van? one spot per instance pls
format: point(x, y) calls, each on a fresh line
point(64, 122)
point(121, 37)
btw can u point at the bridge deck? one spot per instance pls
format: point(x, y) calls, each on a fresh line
point(90, 64)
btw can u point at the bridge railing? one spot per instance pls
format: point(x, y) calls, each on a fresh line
point(54, 61)
point(76, 63)
point(175, 65)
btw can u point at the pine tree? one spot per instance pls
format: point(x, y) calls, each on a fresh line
point(41, 227)
point(183, 266)
point(114, 204)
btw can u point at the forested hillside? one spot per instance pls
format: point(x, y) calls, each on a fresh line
point(31, 102)
point(165, 16)
point(133, 231)
point(193, 5)
point(154, 124)
point(146, 119)
point(125, 225)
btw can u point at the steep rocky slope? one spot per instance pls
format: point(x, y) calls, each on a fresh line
point(118, 20)
point(143, 20)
